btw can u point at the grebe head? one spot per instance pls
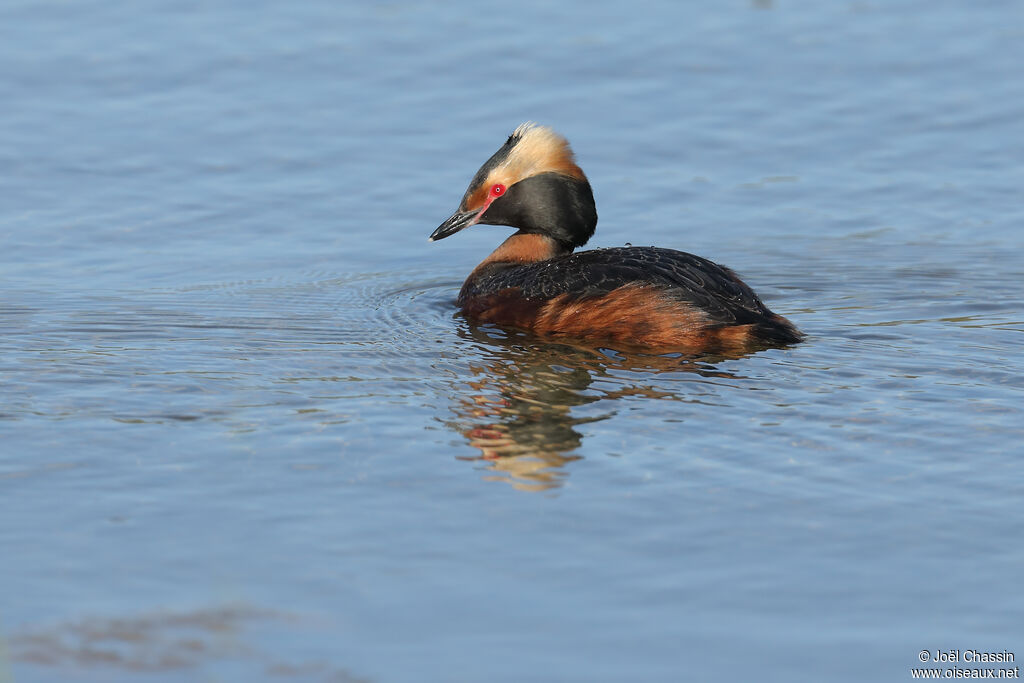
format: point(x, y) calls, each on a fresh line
point(531, 183)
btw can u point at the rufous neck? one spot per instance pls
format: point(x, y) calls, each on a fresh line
point(525, 248)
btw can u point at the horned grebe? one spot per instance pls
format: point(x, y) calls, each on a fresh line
point(635, 296)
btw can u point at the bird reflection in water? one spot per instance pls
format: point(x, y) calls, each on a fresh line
point(518, 410)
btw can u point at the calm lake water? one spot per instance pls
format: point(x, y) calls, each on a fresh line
point(244, 435)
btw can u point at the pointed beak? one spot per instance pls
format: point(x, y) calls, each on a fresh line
point(457, 221)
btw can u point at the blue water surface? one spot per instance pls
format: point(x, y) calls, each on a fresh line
point(244, 435)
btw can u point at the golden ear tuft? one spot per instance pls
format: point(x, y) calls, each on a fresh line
point(539, 149)
point(522, 129)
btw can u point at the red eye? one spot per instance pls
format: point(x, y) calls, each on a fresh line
point(497, 190)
